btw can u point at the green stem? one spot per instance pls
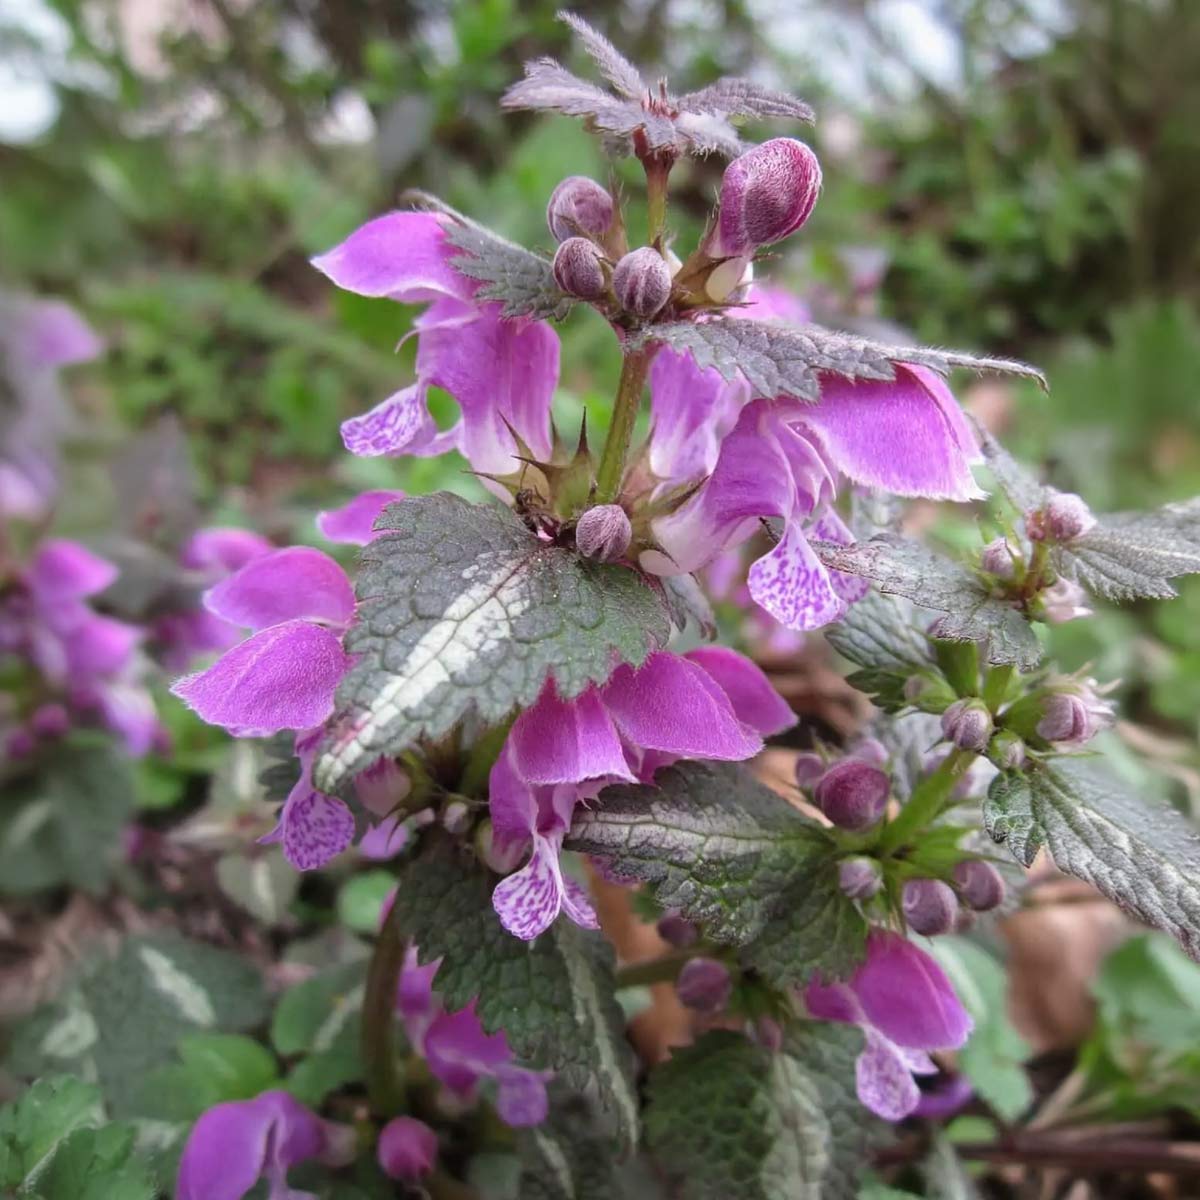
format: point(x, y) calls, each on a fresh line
point(658, 169)
point(927, 801)
point(620, 432)
point(656, 970)
point(995, 685)
point(384, 1085)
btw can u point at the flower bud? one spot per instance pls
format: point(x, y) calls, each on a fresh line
point(704, 985)
point(381, 787)
point(50, 721)
point(997, 558)
point(766, 194)
point(642, 282)
point(577, 269)
point(930, 906)
point(1064, 601)
point(1074, 715)
point(968, 724)
point(980, 884)
point(1063, 517)
point(1006, 751)
point(860, 877)
point(677, 930)
point(853, 794)
point(871, 750)
point(501, 857)
point(603, 533)
point(407, 1148)
point(809, 767)
point(579, 205)
point(456, 816)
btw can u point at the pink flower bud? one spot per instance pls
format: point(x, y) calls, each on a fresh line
point(809, 767)
point(980, 884)
point(1007, 751)
point(997, 558)
point(381, 787)
point(1063, 517)
point(456, 816)
point(1074, 715)
point(704, 985)
point(766, 194)
point(677, 930)
point(853, 794)
point(642, 282)
point(579, 205)
point(871, 750)
point(968, 724)
point(577, 269)
point(407, 1148)
point(50, 721)
point(603, 533)
point(1064, 601)
point(860, 877)
point(502, 857)
point(930, 906)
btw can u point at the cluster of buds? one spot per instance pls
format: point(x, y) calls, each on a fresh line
point(1064, 517)
point(933, 907)
point(47, 723)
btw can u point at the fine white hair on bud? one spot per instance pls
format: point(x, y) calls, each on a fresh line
point(766, 194)
point(930, 906)
point(642, 282)
point(968, 724)
point(604, 533)
point(1064, 517)
point(579, 205)
point(578, 270)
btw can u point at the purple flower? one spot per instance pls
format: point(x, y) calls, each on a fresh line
point(905, 1006)
point(284, 676)
point(710, 703)
point(1073, 713)
point(460, 1055)
point(407, 1148)
point(354, 523)
point(501, 372)
point(234, 1145)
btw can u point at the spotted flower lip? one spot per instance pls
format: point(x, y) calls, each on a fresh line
point(710, 703)
point(905, 1006)
point(501, 371)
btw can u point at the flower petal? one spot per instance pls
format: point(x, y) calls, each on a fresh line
point(907, 436)
point(793, 585)
point(521, 1098)
point(401, 424)
point(402, 255)
point(458, 1051)
point(354, 523)
point(100, 645)
point(750, 692)
point(64, 570)
point(906, 995)
point(282, 678)
point(884, 1083)
point(833, 1002)
point(674, 705)
point(53, 334)
point(561, 741)
point(296, 584)
point(577, 904)
point(313, 827)
point(829, 527)
point(528, 901)
point(223, 549)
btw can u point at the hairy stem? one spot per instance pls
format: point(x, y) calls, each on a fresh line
point(927, 801)
point(384, 1085)
point(656, 970)
point(995, 685)
point(658, 169)
point(620, 432)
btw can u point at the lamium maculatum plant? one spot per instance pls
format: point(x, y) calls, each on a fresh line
point(523, 695)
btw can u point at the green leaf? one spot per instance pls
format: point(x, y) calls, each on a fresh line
point(1142, 855)
point(1019, 484)
point(521, 280)
point(125, 1016)
point(361, 899)
point(463, 609)
point(945, 1175)
point(787, 360)
point(727, 1117)
point(737, 859)
point(553, 997)
point(994, 1055)
point(64, 824)
point(1126, 555)
point(264, 885)
point(33, 1127)
point(972, 613)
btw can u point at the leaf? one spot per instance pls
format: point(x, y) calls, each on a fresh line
point(1019, 484)
point(264, 885)
point(462, 609)
point(945, 1175)
point(361, 899)
point(553, 997)
point(63, 824)
point(523, 282)
point(727, 1117)
point(994, 1056)
point(973, 614)
point(732, 97)
point(33, 1127)
point(213, 1068)
point(1141, 855)
point(614, 66)
point(736, 858)
point(1126, 555)
point(781, 360)
point(125, 1015)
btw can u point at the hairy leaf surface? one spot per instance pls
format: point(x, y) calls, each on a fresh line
point(461, 608)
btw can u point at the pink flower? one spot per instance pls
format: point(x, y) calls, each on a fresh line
point(501, 372)
point(905, 1006)
point(710, 703)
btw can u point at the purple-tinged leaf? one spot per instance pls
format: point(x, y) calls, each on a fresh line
point(614, 66)
point(733, 97)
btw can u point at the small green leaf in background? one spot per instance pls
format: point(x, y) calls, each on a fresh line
point(994, 1056)
point(361, 899)
point(263, 884)
point(214, 1068)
